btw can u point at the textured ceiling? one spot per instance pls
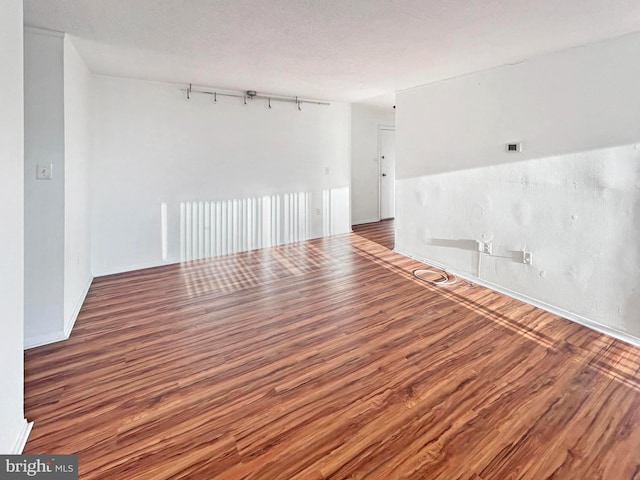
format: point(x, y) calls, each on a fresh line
point(345, 50)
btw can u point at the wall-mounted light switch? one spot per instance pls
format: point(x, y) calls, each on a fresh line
point(527, 258)
point(44, 171)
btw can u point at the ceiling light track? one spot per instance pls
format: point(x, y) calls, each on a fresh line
point(250, 95)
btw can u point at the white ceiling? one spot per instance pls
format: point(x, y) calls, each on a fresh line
point(341, 50)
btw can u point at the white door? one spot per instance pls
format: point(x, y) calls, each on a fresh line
point(387, 173)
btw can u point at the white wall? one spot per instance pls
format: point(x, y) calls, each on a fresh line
point(152, 146)
point(13, 426)
point(572, 197)
point(44, 199)
point(57, 235)
point(77, 151)
point(365, 174)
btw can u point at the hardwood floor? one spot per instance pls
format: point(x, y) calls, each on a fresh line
point(379, 232)
point(328, 359)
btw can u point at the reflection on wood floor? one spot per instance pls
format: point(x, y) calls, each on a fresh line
point(378, 232)
point(328, 359)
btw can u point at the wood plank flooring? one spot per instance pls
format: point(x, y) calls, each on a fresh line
point(378, 232)
point(328, 359)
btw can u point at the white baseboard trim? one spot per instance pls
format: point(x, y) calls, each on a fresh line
point(46, 339)
point(71, 321)
point(574, 317)
point(145, 265)
point(21, 439)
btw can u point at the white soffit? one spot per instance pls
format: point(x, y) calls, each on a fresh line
point(342, 50)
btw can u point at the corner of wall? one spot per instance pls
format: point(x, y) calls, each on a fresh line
point(44, 199)
point(14, 429)
point(70, 321)
point(22, 437)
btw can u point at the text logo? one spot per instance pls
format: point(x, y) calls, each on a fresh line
point(51, 467)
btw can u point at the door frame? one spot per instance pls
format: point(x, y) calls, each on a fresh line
point(381, 128)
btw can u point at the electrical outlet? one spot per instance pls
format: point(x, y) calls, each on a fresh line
point(485, 247)
point(527, 258)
